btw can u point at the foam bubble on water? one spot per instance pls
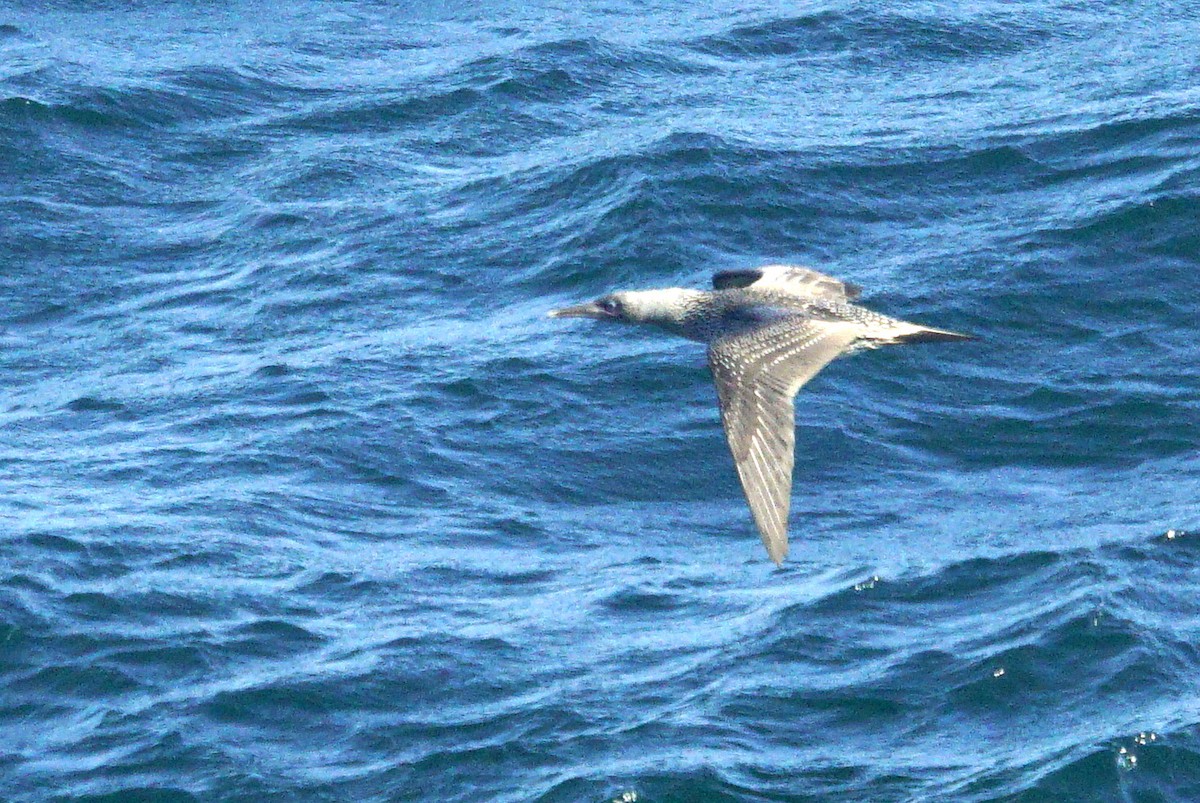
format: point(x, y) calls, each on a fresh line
point(629, 796)
point(867, 584)
point(1146, 737)
point(998, 672)
point(1126, 760)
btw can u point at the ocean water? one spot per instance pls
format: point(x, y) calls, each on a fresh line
point(303, 498)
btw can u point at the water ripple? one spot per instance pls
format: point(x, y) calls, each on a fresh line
point(305, 497)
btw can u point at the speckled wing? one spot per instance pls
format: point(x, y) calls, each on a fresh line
point(790, 279)
point(757, 373)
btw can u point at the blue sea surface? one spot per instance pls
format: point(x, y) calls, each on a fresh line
point(304, 498)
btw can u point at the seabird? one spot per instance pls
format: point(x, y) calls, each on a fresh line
point(768, 331)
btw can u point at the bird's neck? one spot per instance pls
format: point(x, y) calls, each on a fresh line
point(677, 311)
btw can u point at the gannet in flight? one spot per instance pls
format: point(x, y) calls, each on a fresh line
point(768, 331)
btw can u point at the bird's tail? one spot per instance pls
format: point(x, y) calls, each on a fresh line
point(925, 334)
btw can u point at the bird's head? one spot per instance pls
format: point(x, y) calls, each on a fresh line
point(666, 308)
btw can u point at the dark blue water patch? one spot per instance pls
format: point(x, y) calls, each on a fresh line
point(128, 110)
point(1157, 226)
point(630, 601)
point(1083, 428)
point(135, 794)
point(501, 93)
point(267, 638)
point(706, 178)
point(243, 89)
point(1117, 772)
point(46, 314)
point(571, 69)
point(17, 108)
point(871, 37)
point(1085, 148)
point(163, 661)
point(53, 542)
point(74, 682)
point(87, 404)
point(405, 110)
point(97, 607)
point(339, 586)
point(279, 220)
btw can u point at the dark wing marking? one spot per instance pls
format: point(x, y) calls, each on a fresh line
point(791, 279)
point(729, 279)
point(757, 373)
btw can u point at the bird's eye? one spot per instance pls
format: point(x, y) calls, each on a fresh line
point(611, 306)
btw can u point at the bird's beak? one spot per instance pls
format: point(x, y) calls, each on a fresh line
point(588, 310)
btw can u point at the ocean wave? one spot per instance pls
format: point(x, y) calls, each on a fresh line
point(172, 99)
point(900, 37)
point(306, 498)
point(504, 92)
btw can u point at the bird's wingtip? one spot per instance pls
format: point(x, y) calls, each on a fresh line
point(929, 335)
